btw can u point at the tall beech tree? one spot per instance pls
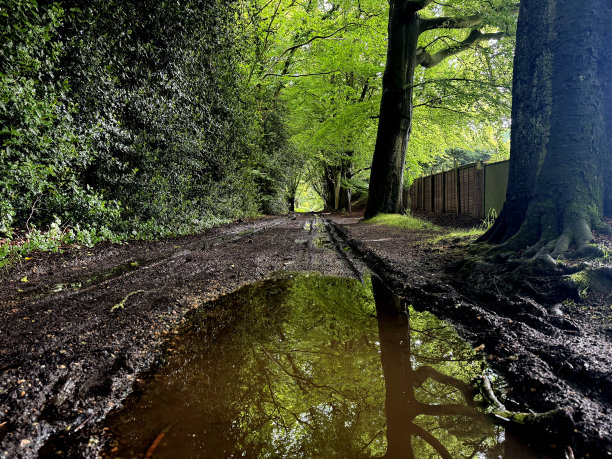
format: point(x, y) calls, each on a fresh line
point(560, 183)
point(408, 20)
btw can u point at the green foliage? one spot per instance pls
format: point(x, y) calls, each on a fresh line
point(308, 200)
point(54, 239)
point(321, 61)
point(454, 234)
point(325, 62)
point(42, 154)
point(138, 120)
point(489, 219)
point(162, 84)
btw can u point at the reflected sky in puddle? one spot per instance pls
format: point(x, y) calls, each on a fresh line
point(305, 367)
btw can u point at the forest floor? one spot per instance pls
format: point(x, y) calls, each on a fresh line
point(79, 328)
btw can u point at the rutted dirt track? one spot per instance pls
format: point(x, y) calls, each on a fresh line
point(68, 355)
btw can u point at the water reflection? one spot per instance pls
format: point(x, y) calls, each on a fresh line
point(429, 402)
point(309, 367)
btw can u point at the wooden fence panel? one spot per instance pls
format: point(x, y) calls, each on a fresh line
point(438, 188)
point(478, 192)
point(464, 190)
point(450, 197)
point(413, 193)
point(472, 190)
point(426, 194)
point(495, 185)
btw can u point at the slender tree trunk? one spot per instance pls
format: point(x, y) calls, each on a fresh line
point(395, 122)
point(337, 186)
point(559, 151)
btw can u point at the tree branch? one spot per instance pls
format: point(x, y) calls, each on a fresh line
point(426, 372)
point(476, 36)
point(316, 37)
point(433, 441)
point(446, 410)
point(450, 23)
point(460, 112)
point(464, 80)
point(298, 75)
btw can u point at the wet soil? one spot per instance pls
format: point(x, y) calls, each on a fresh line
point(80, 333)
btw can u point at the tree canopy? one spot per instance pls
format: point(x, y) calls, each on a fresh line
point(121, 119)
point(425, 34)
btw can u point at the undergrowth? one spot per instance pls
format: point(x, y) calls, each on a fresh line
point(57, 237)
point(456, 233)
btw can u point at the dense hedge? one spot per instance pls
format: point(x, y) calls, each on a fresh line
point(129, 115)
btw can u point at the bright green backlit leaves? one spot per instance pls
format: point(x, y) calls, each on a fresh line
point(325, 61)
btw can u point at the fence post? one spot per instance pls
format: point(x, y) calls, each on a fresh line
point(423, 192)
point(432, 182)
point(484, 190)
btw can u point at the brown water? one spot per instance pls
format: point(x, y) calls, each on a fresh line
point(314, 367)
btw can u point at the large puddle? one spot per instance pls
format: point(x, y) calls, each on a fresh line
point(310, 366)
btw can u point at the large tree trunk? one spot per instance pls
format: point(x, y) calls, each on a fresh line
point(395, 122)
point(559, 151)
point(605, 75)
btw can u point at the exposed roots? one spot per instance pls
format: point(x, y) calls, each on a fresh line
point(539, 237)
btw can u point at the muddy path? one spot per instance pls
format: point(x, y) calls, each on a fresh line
point(79, 333)
point(68, 355)
point(555, 355)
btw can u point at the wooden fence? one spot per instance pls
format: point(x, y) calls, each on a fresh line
point(480, 188)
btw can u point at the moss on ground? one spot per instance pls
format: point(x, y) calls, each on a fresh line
point(402, 221)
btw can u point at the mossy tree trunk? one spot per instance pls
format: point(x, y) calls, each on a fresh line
point(560, 156)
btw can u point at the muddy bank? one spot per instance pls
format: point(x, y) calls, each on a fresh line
point(79, 333)
point(555, 354)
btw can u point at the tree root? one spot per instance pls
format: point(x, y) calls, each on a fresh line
point(597, 280)
point(505, 416)
point(575, 241)
point(540, 234)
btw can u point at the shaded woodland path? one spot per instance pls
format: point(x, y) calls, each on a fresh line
point(69, 355)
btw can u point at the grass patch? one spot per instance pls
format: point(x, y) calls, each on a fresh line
point(402, 221)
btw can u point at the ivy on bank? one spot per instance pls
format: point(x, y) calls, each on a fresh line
point(122, 120)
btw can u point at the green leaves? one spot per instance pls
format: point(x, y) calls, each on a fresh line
point(128, 110)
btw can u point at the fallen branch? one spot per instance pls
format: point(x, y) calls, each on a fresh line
point(154, 445)
point(121, 304)
point(157, 441)
point(523, 419)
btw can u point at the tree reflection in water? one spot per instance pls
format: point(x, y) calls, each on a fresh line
point(292, 368)
point(428, 402)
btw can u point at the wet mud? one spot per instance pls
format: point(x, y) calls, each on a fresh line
point(69, 356)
